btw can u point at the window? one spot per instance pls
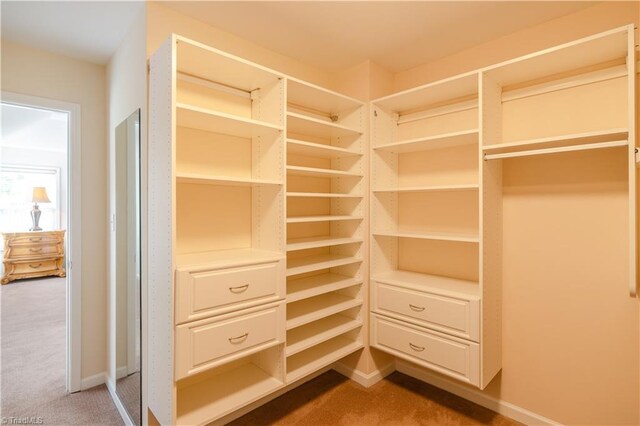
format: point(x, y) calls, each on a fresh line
point(16, 189)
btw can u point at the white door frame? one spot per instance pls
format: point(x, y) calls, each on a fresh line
point(74, 229)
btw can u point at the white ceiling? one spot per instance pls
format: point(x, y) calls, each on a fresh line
point(88, 30)
point(395, 34)
point(31, 128)
point(330, 35)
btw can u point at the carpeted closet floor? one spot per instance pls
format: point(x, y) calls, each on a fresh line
point(399, 400)
point(33, 360)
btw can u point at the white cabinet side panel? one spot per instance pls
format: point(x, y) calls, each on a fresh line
point(161, 232)
point(490, 233)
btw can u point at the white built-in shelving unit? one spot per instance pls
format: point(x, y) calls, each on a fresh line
point(436, 181)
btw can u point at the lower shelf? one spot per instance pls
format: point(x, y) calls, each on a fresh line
point(305, 337)
point(219, 395)
point(317, 357)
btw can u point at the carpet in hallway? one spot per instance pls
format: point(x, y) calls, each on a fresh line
point(33, 348)
point(332, 399)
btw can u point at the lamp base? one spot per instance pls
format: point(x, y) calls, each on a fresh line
point(35, 229)
point(35, 217)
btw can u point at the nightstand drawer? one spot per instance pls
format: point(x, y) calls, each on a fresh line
point(44, 238)
point(455, 316)
point(205, 344)
point(25, 251)
point(203, 294)
point(35, 266)
point(454, 357)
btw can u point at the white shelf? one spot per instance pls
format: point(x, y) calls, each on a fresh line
point(192, 262)
point(467, 137)
point(432, 188)
point(594, 50)
point(451, 287)
point(219, 122)
point(442, 236)
point(462, 86)
point(304, 288)
point(561, 141)
point(304, 125)
point(317, 172)
point(302, 338)
point(203, 402)
point(301, 93)
point(321, 195)
point(306, 362)
point(311, 149)
point(222, 180)
point(322, 218)
point(229, 70)
point(317, 242)
point(302, 265)
point(313, 309)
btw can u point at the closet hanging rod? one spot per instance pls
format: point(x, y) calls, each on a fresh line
point(213, 85)
point(438, 111)
point(531, 152)
point(324, 114)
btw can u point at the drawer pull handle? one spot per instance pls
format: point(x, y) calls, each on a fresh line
point(35, 240)
point(239, 339)
point(35, 250)
point(416, 347)
point(239, 289)
point(35, 266)
point(416, 308)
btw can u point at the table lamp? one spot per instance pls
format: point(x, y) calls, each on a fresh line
point(39, 196)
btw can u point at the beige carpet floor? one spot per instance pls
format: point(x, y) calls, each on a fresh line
point(332, 399)
point(33, 359)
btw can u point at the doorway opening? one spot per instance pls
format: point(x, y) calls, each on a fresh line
point(41, 227)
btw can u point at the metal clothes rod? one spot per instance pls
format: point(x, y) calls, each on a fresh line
point(583, 147)
point(213, 85)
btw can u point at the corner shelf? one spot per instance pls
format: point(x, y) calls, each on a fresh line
point(322, 195)
point(299, 147)
point(313, 309)
point(326, 353)
point(304, 288)
point(431, 236)
point(317, 242)
point(302, 338)
point(317, 172)
point(466, 137)
point(199, 178)
point(321, 218)
point(431, 188)
point(302, 265)
point(304, 125)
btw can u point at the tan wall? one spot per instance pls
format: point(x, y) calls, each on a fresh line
point(571, 337)
point(162, 21)
point(34, 72)
point(126, 92)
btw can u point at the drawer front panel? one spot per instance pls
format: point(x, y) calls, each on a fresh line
point(35, 239)
point(453, 316)
point(23, 251)
point(205, 344)
point(456, 358)
point(35, 266)
point(202, 294)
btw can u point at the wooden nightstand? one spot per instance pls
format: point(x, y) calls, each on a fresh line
point(33, 254)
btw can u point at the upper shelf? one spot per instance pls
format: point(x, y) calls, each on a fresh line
point(200, 178)
point(450, 89)
point(598, 49)
point(199, 60)
point(317, 172)
point(305, 125)
point(219, 122)
point(466, 137)
point(308, 95)
point(312, 149)
point(577, 140)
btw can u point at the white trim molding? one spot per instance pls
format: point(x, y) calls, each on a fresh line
point(366, 380)
point(93, 381)
point(474, 395)
point(73, 252)
point(123, 411)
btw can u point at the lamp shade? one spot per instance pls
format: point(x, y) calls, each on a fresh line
point(40, 195)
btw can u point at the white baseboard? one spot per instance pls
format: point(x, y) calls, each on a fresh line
point(123, 412)
point(121, 372)
point(474, 395)
point(93, 381)
point(366, 380)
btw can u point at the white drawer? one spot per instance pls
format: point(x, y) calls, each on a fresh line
point(205, 344)
point(454, 357)
point(205, 293)
point(458, 317)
